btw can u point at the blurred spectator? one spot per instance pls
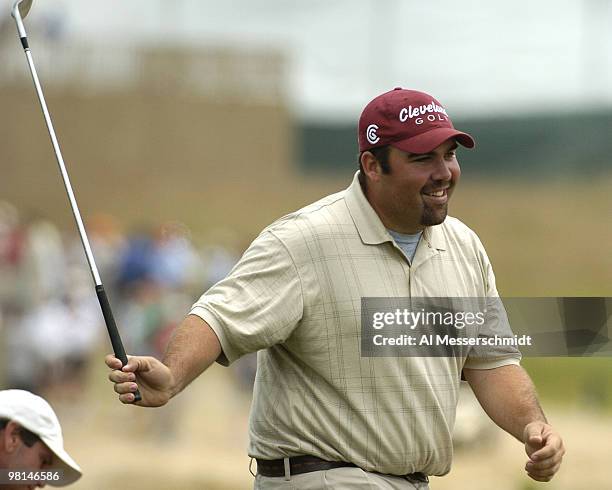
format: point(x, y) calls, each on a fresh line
point(174, 258)
point(45, 261)
point(142, 315)
point(12, 251)
point(136, 262)
point(107, 243)
point(51, 318)
point(50, 345)
point(219, 261)
point(11, 236)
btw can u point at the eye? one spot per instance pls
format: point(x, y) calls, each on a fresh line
point(451, 154)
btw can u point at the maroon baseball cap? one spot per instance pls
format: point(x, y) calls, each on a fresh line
point(408, 120)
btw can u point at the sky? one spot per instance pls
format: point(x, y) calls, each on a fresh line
point(477, 56)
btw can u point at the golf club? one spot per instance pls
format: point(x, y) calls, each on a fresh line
point(19, 12)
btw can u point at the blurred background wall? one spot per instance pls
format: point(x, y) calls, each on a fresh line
point(188, 126)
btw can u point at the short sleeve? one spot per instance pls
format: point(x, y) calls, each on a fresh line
point(258, 304)
point(495, 325)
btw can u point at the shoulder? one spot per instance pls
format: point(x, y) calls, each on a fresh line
point(313, 219)
point(458, 228)
point(457, 233)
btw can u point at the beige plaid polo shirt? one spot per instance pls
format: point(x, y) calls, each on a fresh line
point(295, 297)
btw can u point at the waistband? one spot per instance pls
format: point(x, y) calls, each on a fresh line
point(297, 465)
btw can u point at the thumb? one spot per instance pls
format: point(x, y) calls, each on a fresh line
point(535, 439)
point(134, 364)
point(533, 434)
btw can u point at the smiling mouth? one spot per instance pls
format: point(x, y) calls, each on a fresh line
point(439, 194)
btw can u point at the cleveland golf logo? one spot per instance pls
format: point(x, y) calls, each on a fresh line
point(371, 135)
point(431, 112)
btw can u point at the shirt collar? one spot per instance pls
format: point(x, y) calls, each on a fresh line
point(434, 236)
point(370, 227)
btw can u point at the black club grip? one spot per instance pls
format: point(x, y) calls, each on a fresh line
point(113, 332)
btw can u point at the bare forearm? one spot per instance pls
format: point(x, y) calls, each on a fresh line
point(194, 346)
point(508, 396)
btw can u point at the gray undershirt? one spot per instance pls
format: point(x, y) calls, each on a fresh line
point(408, 243)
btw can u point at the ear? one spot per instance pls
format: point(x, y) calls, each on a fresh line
point(371, 166)
point(9, 437)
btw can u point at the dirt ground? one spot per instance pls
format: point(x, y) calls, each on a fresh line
point(199, 442)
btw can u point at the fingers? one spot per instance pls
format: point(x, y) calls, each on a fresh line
point(532, 466)
point(544, 453)
point(152, 377)
point(112, 362)
point(544, 475)
point(127, 399)
point(122, 388)
point(123, 377)
point(545, 462)
point(125, 389)
point(553, 447)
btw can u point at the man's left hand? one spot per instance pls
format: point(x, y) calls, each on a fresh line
point(545, 449)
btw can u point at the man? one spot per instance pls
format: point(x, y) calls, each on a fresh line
point(31, 442)
point(323, 414)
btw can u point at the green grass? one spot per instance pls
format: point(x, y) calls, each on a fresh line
point(586, 382)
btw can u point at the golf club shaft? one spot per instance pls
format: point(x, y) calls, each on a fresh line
point(62, 167)
point(107, 312)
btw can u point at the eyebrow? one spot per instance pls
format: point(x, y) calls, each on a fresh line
point(454, 146)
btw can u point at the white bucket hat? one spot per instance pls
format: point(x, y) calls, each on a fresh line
point(36, 415)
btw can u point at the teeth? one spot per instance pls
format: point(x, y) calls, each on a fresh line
point(436, 194)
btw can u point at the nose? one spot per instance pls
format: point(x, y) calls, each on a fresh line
point(441, 170)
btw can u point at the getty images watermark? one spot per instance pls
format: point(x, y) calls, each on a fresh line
point(486, 328)
point(429, 321)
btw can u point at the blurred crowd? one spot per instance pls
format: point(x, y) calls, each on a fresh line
point(50, 320)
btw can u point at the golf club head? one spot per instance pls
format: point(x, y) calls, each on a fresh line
point(23, 7)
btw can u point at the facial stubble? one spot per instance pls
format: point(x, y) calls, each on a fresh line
point(431, 216)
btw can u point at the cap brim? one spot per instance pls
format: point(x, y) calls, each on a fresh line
point(72, 471)
point(428, 141)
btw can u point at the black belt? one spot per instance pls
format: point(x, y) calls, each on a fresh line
point(306, 464)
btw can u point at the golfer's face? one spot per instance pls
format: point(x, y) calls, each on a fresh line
point(419, 186)
point(37, 457)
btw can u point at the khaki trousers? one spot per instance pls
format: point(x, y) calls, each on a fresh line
point(338, 479)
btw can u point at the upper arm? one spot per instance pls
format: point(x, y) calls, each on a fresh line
point(258, 304)
point(204, 336)
point(479, 378)
point(496, 324)
point(490, 384)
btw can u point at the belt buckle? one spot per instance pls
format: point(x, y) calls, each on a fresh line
point(417, 477)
